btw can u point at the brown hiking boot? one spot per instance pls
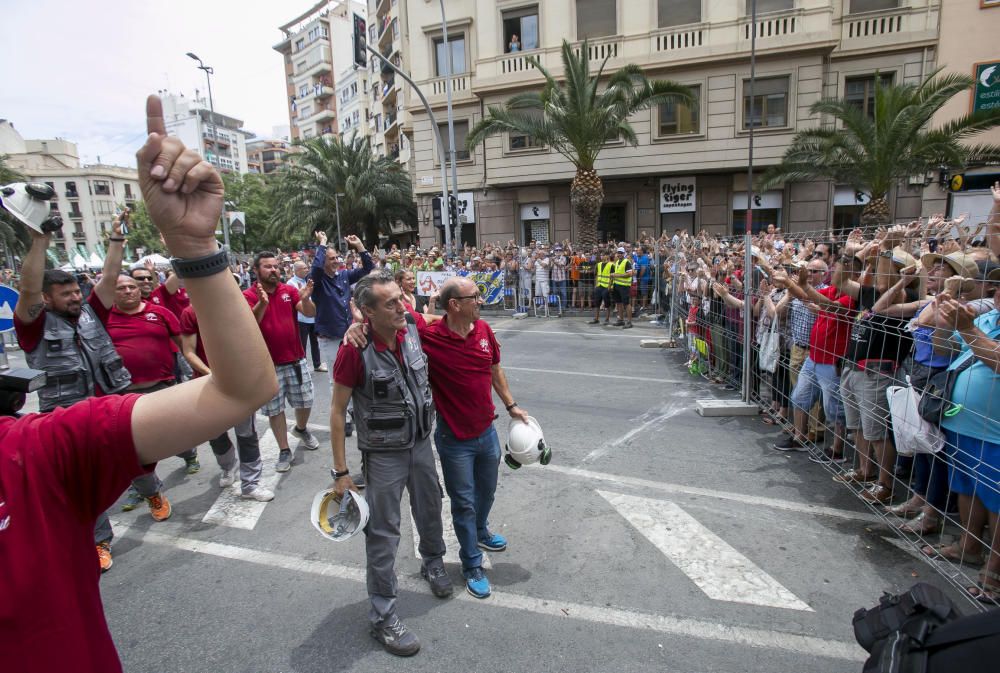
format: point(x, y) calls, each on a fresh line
point(159, 507)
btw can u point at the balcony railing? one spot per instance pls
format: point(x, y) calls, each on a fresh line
point(889, 27)
point(682, 38)
point(773, 25)
point(459, 83)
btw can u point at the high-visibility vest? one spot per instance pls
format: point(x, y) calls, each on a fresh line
point(604, 274)
point(620, 269)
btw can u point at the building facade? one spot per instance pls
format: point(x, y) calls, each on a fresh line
point(265, 155)
point(353, 109)
point(316, 45)
point(806, 49)
point(217, 137)
point(388, 32)
point(87, 196)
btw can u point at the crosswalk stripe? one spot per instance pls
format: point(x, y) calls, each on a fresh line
point(720, 571)
point(448, 525)
point(229, 509)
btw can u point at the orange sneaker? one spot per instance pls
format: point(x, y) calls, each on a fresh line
point(104, 556)
point(159, 507)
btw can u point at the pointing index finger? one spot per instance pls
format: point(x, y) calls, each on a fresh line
point(154, 116)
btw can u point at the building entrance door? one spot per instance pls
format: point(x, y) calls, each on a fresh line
point(612, 223)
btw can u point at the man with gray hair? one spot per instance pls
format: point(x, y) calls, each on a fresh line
point(387, 379)
point(307, 324)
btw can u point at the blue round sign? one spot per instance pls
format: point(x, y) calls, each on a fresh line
point(8, 300)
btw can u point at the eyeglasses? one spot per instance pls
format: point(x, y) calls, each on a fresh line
point(142, 279)
point(477, 297)
point(816, 271)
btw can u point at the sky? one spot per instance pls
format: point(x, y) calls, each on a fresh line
point(81, 70)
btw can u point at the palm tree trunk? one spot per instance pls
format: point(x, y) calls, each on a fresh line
point(586, 194)
point(876, 212)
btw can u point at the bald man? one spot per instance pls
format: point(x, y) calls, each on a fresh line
point(307, 324)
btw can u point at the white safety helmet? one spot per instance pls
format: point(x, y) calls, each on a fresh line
point(339, 519)
point(29, 203)
point(526, 444)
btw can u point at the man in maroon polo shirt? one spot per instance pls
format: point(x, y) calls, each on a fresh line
point(275, 306)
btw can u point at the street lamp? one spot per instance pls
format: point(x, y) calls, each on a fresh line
point(336, 199)
point(209, 71)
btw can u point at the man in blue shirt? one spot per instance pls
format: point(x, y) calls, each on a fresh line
point(332, 296)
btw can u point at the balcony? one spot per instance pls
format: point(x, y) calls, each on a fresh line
point(610, 48)
point(318, 62)
point(75, 215)
point(72, 194)
point(888, 28)
point(320, 115)
point(461, 87)
point(321, 91)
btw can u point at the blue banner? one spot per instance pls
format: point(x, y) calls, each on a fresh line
point(490, 286)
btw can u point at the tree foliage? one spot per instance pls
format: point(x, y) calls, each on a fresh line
point(872, 153)
point(376, 191)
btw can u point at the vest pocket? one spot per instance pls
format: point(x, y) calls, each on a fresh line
point(389, 427)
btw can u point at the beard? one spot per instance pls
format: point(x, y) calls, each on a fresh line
point(73, 309)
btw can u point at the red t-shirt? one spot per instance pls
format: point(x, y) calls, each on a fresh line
point(348, 370)
point(279, 325)
point(189, 325)
point(461, 374)
point(828, 339)
point(58, 472)
point(142, 339)
point(175, 303)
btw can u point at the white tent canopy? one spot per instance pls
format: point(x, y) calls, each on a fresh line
point(158, 260)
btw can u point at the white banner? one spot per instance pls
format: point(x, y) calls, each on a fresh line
point(428, 282)
point(677, 195)
point(769, 200)
point(534, 211)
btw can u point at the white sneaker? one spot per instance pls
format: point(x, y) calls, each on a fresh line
point(259, 493)
point(227, 478)
point(308, 440)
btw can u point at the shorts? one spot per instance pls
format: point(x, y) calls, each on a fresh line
point(601, 295)
point(865, 404)
point(817, 381)
point(974, 468)
point(620, 293)
point(295, 387)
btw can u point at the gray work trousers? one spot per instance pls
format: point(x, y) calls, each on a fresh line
point(102, 529)
point(386, 474)
point(248, 449)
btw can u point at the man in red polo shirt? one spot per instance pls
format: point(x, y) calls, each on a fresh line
point(275, 306)
point(146, 336)
point(464, 368)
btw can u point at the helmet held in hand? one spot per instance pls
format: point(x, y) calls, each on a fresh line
point(28, 202)
point(526, 444)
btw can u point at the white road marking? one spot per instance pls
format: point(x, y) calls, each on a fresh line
point(720, 571)
point(229, 509)
point(587, 334)
point(648, 420)
point(797, 643)
point(598, 376)
point(741, 498)
point(447, 523)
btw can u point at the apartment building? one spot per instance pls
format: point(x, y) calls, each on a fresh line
point(806, 49)
point(316, 46)
point(87, 196)
point(353, 98)
point(219, 138)
point(266, 155)
point(389, 97)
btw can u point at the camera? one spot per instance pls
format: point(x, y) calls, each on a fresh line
point(15, 384)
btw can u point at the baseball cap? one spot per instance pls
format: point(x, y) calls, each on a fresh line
point(988, 270)
point(620, 250)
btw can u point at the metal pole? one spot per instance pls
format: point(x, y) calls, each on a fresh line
point(336, 199)
point(673, 299)
point(215, 146)
point(748, 276)
point(451, 127)
point(437, 137)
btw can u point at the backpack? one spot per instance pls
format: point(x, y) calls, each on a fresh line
point(920, 631)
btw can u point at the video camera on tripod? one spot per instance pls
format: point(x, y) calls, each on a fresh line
point(15, 384)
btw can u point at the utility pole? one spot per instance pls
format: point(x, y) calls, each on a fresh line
point(215, 139)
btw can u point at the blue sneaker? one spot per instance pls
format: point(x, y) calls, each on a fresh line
point(476, 583)
point(493, 542)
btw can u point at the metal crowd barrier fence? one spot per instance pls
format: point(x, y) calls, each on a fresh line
point(845, 358)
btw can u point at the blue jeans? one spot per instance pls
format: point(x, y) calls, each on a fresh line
point(470, 476)
point(559, 288)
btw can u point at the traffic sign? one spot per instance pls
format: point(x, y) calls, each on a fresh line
point(8, 300)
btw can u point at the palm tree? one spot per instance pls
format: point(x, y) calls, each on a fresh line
point(578, 119)
point(376, 191)
point(872, 153)
point(13, 234)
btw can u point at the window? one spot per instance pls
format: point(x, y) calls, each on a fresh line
point(300, 66)
point(105, 208)
point(303, 91)
point(456, 47)
point(858, 6)
point(51, 185)
point(860, 92)
point(300, 44)
point(71, 190)
point(102, 188)
point(678, 12)
point(128, 191)
point(596, 18)
point(305, 111)
point(679, 117)
point(461, 133)
point(520, 29)
point(764, 6)
point(769, 105)
point(78, 230)
point(523, 142)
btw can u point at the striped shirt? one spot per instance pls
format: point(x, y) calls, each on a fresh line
point(801, 320)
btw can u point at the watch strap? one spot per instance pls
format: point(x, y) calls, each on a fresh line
point(201, 267)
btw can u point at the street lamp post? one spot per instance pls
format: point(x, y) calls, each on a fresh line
point(451, 127)
point(215, 140)
point(340, 238)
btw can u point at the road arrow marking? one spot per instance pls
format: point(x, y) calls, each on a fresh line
point(233, 511)
point(450, 539)
point(713, 565)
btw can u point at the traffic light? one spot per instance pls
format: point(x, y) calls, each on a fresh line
point(360, 40)
point(436, 212)
point(452, 212)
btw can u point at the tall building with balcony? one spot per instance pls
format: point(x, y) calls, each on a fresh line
point(806, 49)
point(316, 45)
point(266, 155)
point(390, 119)
point(353, 107)
point(87, 196)
point(217, 137)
